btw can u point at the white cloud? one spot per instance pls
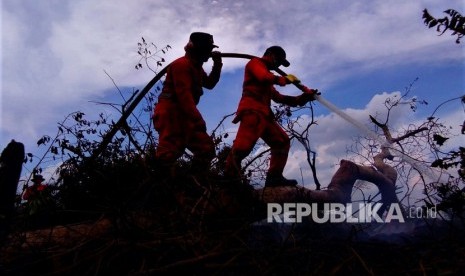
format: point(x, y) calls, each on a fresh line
point(332, 136)
point(54, 53)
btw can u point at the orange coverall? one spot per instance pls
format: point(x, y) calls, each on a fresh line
point(176, 117)
point(33, 191)
point(257, 119)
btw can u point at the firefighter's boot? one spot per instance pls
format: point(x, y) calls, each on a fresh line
point(278, 180)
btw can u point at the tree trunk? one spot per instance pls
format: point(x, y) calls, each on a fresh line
point(11, 162)
point(340, 188)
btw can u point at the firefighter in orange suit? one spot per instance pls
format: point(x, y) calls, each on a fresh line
point(257, 119)
point(176, 118)
point(33, 192)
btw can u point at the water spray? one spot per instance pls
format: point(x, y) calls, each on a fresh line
point(384, 143)
point(351, 120)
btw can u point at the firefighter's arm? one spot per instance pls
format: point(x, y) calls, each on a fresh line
point(284, 99)
point(301, 100)
point(212, 79)
point(260, 72)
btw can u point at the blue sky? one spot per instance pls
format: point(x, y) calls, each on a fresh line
point(356, 53)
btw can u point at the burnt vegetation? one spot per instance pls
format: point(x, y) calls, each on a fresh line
point(109, 210)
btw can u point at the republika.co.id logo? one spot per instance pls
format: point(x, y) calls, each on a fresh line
point(337, 213)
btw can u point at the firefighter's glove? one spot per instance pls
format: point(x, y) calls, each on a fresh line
point(216, 57)
point(292, 79)
point(304, 99)
point(310, 91)
point(307, 96)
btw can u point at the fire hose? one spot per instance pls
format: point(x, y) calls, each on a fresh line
point(138, 98)
point(133, 104)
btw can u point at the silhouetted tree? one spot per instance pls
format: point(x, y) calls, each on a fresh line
point(454, 22)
